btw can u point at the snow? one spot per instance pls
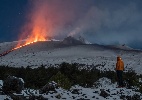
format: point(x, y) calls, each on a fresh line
point(3, 97)
point(53, 52)
point(84, 93)
point(1, 83)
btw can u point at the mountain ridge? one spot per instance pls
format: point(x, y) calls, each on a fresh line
point(69, 50)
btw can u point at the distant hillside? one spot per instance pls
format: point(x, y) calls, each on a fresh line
point(70, 50)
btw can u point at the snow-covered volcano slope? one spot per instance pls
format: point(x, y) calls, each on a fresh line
point(71, 51)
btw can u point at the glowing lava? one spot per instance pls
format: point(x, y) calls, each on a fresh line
point(37, 31)
point(18, 47)
point(23, 45)
point(32, 39)
point(38, 25)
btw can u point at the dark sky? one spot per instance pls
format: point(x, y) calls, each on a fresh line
point(11, 18)
point(100, 21)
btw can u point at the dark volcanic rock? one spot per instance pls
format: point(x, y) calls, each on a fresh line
point(58, 96)
point(48, 87)
point(36, 98)
point(71, 41)
point(104, 93)
point(12, 85)
point(75, 91)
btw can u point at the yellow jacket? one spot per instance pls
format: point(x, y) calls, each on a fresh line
point(119, 64)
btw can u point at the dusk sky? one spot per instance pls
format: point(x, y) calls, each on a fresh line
point(99, 21)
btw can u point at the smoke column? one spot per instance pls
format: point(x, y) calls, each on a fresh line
point(46, 18)
point(100, 22)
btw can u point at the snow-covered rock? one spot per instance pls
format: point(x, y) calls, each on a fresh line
point(12, 84)
point(1, 83)
point(106, 90)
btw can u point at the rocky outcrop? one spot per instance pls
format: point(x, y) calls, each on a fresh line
point(71, 41)
point(51, 86)
point(12, 85)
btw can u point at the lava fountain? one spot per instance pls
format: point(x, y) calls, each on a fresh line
point(37, 27)
point(45, 18)
point(36, 35)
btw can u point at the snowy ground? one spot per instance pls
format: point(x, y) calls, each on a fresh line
point(104, 90)
point(53, 52)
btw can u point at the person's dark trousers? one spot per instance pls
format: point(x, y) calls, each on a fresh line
point(120, 78)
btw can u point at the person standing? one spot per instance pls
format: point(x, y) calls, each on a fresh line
point(119, 70)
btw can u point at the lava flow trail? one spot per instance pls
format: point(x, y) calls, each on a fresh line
point(8, 51)
point(5, 53)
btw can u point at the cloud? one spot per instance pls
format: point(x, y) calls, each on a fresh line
point(123, 25)
point(51, 17)
point(100, 22)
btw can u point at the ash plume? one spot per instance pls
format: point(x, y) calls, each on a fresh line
point(100, 22)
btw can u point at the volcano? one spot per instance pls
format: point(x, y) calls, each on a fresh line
point(67, 41)
point(69, 50)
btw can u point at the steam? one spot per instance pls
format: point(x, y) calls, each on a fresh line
point(98, 22)
point(46, 18)
point(108, 26)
